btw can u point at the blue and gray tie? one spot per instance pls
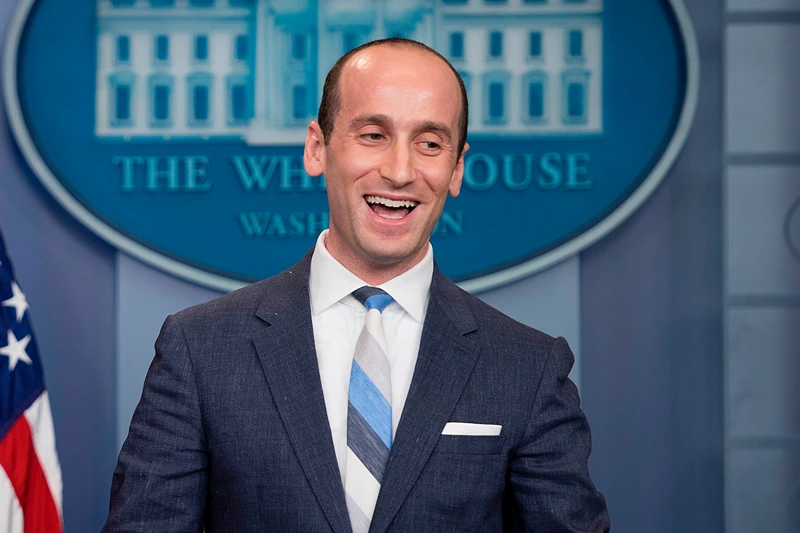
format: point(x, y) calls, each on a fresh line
point(369, 413)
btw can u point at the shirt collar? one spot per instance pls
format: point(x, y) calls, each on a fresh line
point(330, 282)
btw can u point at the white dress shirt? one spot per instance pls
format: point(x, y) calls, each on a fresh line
point(338, 318)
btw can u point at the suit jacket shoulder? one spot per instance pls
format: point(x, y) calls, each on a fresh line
point(498, 333)
point(245, 310)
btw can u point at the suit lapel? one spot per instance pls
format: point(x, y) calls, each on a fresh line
point(445, 361)
point(287, 353)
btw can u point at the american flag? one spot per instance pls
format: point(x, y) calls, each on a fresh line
point(30, 476)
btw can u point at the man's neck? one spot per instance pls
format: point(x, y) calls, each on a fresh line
point(374, 273)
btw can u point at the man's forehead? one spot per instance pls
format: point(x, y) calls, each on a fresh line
point(389, 61)
point(374, 59)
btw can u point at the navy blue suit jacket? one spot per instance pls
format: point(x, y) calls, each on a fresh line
point(231, 433)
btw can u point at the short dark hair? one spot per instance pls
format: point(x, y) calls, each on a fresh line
point(332, 99)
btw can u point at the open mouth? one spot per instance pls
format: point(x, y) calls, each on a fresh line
point(391, 209)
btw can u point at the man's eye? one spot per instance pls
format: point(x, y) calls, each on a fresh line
point(430, 145)
point(373, 136)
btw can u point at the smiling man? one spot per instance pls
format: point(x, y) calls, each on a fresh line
point(391, 152)
point(360, 390)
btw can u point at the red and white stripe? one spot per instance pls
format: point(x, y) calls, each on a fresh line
point(30, 476)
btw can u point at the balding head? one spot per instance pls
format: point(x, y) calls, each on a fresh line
point(332, 97)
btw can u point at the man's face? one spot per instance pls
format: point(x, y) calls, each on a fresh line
point(391, 159)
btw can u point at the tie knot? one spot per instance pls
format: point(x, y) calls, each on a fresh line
point(372, 298)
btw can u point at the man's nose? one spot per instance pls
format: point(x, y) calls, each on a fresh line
point(397, 165)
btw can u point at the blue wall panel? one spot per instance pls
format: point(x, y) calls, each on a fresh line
point(652, 334)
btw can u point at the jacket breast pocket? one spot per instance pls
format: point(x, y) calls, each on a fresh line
point(470, 444)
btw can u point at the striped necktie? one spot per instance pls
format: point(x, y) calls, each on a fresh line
point(369, 413)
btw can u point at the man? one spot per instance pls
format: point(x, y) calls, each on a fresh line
point(269, 409)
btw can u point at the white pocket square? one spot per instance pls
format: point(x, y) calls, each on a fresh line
point(475, 430)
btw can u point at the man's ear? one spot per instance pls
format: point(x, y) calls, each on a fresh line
point(458, 173)
point(314, 151)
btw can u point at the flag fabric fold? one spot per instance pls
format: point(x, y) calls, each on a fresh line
point(30, 475)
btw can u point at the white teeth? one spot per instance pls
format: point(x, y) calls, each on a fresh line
point(390, 203)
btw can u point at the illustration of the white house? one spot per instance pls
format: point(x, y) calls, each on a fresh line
point(254, 69)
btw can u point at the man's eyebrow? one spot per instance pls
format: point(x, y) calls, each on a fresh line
point(363, 120)
point(384, 121)
point(435, 127)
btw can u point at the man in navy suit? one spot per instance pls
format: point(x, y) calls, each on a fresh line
point(242, 425)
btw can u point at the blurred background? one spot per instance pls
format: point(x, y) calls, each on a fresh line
point(685, 318)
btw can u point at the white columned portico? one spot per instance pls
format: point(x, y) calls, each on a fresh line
point(380, 20)
point(261, 108)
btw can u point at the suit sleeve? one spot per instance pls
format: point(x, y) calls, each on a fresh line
point(160, 480)
point(550, 488)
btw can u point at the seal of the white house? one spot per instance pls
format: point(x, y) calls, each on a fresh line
point(173, 129)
